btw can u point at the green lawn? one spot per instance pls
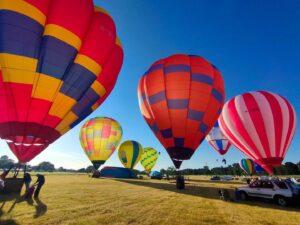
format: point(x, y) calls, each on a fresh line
point(78, 199)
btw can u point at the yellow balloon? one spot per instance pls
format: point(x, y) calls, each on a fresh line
point(130, 153)
point(99, 137)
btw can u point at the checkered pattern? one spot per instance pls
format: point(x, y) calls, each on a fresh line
point(99, 137)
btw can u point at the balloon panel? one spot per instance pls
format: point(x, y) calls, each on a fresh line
point(99, 138)
point(181, 98)
point(56, 68)
point(149, 158)
point(261, 124)
point(130, 153)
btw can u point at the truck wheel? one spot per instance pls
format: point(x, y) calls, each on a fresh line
point(280, 200)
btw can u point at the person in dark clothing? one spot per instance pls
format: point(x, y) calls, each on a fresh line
point(180, 184)
point(3, 176)
point(39, 182)
point(27, 181)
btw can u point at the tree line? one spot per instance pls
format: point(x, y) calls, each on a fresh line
point(287, 168)
point(6, 163)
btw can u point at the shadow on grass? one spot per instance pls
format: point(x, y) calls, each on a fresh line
point(216, 181)
point(206, 192)
point(8, 221)
point(40, 207)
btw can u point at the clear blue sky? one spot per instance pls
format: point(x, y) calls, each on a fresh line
point(255, 44)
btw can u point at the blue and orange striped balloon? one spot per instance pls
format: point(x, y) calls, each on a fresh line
point(59, 61)
point(181, 97)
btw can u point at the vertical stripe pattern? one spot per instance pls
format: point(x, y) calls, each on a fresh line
point(130, 153)
point(261, 124)
point(248, 166)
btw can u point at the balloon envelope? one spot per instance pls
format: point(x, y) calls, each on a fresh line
point(181, 97)
point(218, 140)
point(130, 153)
point(56, 68)
point(149, 158)
point(261, 124)
point(258, 168)
point(99, 138)
point(247, 166)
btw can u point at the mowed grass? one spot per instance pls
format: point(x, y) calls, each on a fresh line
point(79, 199)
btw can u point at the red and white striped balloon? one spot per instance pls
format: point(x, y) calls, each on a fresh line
point(261, 124)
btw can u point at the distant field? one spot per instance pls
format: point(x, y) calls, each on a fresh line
point(78, 199)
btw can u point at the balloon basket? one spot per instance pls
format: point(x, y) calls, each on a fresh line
point(13, 185)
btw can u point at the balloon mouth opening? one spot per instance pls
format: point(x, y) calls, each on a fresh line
point(178, 154)
point(28, 133)
point(97, 163)
point(269, 163)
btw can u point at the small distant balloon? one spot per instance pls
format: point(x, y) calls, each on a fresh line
point(130, 153)
point(149, 158)
point(218, 140)
point(247, 166)
point(258, 168)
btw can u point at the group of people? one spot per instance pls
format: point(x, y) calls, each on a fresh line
point(30, 190)
point(36, 187)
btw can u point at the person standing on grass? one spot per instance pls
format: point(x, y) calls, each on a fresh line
point(27, 181)
point(39, 182)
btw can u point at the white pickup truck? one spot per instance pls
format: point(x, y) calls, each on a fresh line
point(281, 191)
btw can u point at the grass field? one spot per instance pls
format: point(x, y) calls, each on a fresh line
point(78, 199)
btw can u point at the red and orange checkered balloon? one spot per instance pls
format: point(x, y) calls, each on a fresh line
point(99, 138)
point(181, 98)
point(59, 61)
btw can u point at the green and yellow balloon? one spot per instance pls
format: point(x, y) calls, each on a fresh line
point(130, 153)
point(149, 158)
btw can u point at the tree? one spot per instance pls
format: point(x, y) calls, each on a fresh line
point(61, 169)
point(5, 162)
point(44, 166)
point(291, 168)
point(89, 169)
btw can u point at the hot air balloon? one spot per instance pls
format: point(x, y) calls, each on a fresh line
point(217, 140)
point(247, 166)
point(181, 97)
point(258, 169)
point(149, 158)
point(130, 153)
point(261, 124)
point(59, 61)
point(99, 138)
